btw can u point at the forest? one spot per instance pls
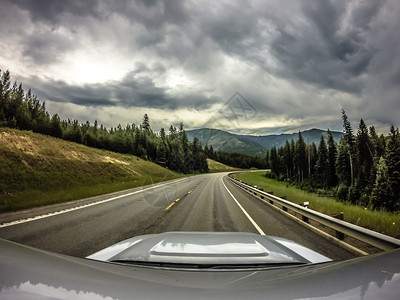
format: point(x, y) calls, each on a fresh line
point(172, 149)
point(363, 169)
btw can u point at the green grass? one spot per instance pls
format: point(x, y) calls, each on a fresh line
point(215, 167)
point(380, 221)
point(38, 170)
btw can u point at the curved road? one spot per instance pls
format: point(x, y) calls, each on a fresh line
point(207, 202)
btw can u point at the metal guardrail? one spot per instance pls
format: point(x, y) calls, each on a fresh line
point(370, 237)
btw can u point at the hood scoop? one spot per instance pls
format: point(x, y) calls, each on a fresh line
point(208, 248)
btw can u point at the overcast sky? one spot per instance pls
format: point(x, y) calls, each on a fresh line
point(294, 64)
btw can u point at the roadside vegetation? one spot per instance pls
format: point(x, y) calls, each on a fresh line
point(215, 167)
point(37, 170)
point(363, 169)
point(380, 221)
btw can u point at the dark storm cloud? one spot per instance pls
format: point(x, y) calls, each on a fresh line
point(130, 91)
point(133, 90)
point(320, 52)
point(45, 48)
point(151, 14)
point(49, 11)
point(289, 57)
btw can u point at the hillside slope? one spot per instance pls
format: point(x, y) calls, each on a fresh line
point(215, 166)
point(36, 169)
point(225, 141)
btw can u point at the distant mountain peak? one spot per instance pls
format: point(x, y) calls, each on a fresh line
point(225, 141)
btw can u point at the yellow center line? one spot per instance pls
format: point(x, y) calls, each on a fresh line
point(170, 205)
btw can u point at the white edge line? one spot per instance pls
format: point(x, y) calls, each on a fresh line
point(51, 214)
point(260, 231)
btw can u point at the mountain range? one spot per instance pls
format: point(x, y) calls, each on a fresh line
point(254, 145)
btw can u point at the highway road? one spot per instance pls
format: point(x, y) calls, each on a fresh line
point(208, 202)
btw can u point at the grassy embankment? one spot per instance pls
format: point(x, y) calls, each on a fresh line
point(380, 221)
point(215, 167)
point(38, 170)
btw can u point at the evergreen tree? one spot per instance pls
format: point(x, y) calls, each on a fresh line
point(322, 170)
point(301, 158)
point(343, 170)
point(382, 190)
point(332, 156)
point(312, 157)
point(274, 162)
point(212, 152)
point(146, 123)
point(267, 165)
point(349, 139)
point(294, 155)
point(393, 164)
point(185, 148)
point(364, 154)
point(55, 127)
point(288, 160)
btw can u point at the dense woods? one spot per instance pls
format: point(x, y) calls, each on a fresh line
point(364, 168)
point(170, 149)
point(238, 160)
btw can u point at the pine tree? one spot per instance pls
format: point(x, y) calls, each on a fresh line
point(343, 170)
point(393, 164)
point(55, 127)
point(146, 123)
point(349, 139)
point(274, 162)
point(382, 192)
point(322, 170)
point(312, 154)
point(365, 155)
point(301, 158)
point(332, 156)
point(288, 160)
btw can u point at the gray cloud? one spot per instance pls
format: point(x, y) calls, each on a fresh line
point(297, 61)
point(135, 89)
point(50, 12)
point(46, 48)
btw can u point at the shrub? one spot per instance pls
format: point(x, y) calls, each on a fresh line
point(342, 192)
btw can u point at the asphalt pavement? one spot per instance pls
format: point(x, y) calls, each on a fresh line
point(208, 202)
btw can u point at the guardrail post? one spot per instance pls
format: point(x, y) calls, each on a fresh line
point(305, 205)
point(339, 235)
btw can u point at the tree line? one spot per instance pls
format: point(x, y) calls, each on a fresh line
point(364, 168)
point(238, 160)
point(172, 150)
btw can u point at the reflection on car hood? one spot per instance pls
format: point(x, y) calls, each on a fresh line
point(27, 273)
point(209, 248)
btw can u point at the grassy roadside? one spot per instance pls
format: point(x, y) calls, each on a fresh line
point(215, 167)
point(38, 170)
point(380, 221)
